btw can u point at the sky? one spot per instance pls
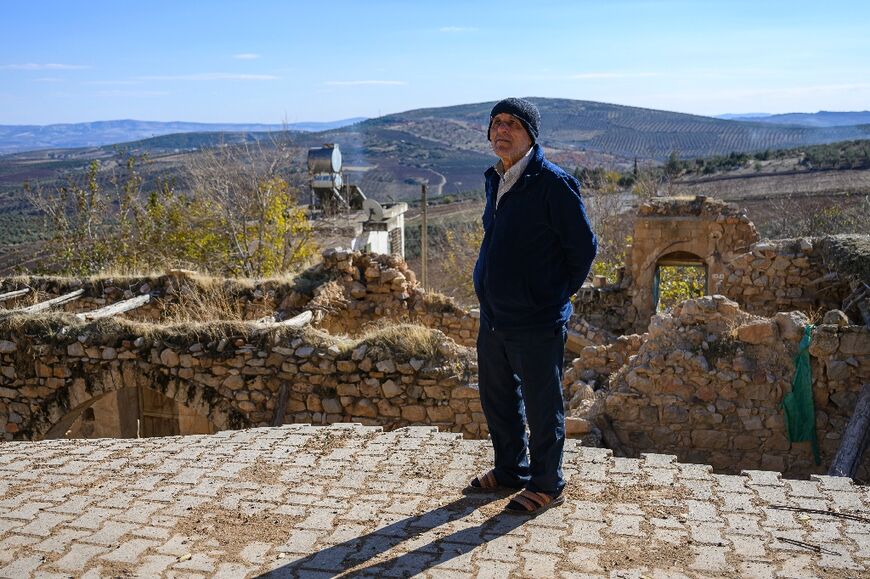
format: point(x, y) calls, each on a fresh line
point(269, 61)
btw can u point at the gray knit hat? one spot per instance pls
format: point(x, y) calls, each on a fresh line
point(522, 109)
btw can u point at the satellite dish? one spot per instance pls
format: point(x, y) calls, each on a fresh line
point(374, 209)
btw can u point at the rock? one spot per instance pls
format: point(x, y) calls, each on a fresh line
point(836, 318)
point(575, 426)
point(791, 325)
point(837, 370)
point(710, 439)
point(414, 413)
point(825, 341)
point(465, 392)
point(855, 342)
point(364, 408)
point(304, 351)
point(757, 332)
point(7, 347)
point(169, 358)
point(233, 382)
point(331, 406)
point(357, 290)
point(75, 350)
point(439, 413)
point(391, 389)
point(386, 366)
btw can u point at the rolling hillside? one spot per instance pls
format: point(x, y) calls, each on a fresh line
point(18, 138)
point(446, 147)
point(819, 119)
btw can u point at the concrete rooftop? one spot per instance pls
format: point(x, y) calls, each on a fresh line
point(351, 500)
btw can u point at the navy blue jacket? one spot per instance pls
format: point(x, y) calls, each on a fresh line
point(537, 249)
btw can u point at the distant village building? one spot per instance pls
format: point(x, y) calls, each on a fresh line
point(342, 213)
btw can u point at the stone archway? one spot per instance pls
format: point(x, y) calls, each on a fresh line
point(60, 410)
point(699, 229)
point(131, 412)
point(679, 263)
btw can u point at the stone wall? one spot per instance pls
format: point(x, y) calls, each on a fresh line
point(371, 288)
point(349, 291)
point(250, 301)
point(708, 382)
point(704, 230)
point(50, 366)
point(783, 275)
point(608, 308)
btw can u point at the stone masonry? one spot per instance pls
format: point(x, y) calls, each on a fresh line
point(708, 379)
point(303, 501)
point(235, 381)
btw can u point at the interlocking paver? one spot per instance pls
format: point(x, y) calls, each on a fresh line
point(78, 557)
point(312, 501)
point(22, 566)
point(129, 551)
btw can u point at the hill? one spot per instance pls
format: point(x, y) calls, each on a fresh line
point(17, 138)
point(819, 119)
point(446, 147)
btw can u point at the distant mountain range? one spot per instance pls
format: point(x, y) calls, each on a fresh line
point(16, 138)
point(819, 119)
point(446, 147)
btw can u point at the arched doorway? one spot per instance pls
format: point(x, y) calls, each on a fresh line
point(679, 276)
point(132, 412)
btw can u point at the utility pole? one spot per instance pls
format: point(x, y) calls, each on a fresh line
point(424, 244)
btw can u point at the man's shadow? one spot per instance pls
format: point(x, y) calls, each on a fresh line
point(354, 557)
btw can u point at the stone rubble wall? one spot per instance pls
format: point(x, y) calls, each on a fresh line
point(708, 382)
point(349, 291)
point(601, 314)
point(236, 382)
point(782, 275)
point(371, 288)
point(251, 301)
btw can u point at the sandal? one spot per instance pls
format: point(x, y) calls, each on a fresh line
point(533, 503)
point(486, 483)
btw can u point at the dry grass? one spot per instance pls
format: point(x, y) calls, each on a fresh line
point(204, 300)
point(440, 303)
point(388, 340)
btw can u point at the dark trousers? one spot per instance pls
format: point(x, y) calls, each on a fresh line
point(520, 378)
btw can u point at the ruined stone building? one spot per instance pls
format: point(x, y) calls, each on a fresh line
point(703, 380)
point(355, 343)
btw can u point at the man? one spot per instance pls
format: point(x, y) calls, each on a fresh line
point(536, 252)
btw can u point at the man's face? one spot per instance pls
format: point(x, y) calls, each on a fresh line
point(509, 138)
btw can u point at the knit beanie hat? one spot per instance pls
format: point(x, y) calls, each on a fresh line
point(522, 109)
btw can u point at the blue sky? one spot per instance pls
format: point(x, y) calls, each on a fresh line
point(269, 61)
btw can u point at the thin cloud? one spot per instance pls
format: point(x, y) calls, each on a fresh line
point(112, 82)
point(609, 75)
point(130, 93)
point(209, 76)
point(43, 66)
point(456, 29)
point(365, 82)
point(246, 56)
point(48, 79)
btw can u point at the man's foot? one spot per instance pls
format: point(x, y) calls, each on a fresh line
point(486, 483)
point(533, 503)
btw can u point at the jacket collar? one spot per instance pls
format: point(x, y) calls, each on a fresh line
point(536, 163)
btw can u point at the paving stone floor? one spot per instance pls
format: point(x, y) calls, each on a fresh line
point(355, 501)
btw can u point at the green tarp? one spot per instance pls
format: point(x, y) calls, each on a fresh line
point(800, 412)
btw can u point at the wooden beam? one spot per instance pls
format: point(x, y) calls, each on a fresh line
point(116, 308)
point(299, 321)
point(281, 406)
point(48, 304)
point(14, 294)
point(855, 439)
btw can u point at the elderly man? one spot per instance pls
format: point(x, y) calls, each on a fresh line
point(536, 252)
